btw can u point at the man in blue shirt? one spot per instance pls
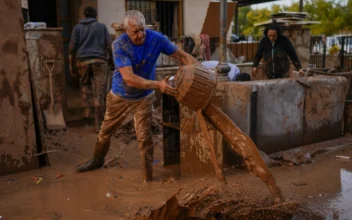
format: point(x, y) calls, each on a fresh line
point(135, 54)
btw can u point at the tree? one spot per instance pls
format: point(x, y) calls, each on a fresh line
point(335, 17)
point(242, 20)
point(248, 17)
point(331, 14)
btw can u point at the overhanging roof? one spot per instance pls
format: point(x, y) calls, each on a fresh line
point(251, 2)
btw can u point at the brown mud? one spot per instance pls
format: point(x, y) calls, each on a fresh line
point(195, 87)
point(324, 186)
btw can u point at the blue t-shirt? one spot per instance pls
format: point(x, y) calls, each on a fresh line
point(142, 58)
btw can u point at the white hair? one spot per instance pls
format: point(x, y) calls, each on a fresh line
point(134, 17)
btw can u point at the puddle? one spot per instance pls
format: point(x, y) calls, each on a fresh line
point(342, 203)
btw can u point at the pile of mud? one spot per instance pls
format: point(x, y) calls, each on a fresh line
point(127, 130)
point(214, 203)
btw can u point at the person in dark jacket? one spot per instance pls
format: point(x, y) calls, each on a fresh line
point(275, 49)
point(91, 46)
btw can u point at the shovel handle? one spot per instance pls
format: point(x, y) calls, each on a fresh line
point(50, 82)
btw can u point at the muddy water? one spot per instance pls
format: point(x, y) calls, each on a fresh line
point(191, 82)
point(245, 147)
point(83, 196)
point(342, 202)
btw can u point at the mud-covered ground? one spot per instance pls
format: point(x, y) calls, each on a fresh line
point(321, 189)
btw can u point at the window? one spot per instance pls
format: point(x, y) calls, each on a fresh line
point(144, 6)
point(166, 15)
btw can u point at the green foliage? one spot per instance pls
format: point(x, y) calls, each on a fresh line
point(329, 13)
point(335, 16)
point(247, 17)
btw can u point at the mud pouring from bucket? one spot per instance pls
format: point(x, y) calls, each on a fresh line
point(195, 87)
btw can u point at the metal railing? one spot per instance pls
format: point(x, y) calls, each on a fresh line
point(243, 48)
point(340, 58)
point(317, 52)
point(346, 53)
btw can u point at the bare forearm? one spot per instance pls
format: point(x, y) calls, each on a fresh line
point(183, 57)
point(138, 82)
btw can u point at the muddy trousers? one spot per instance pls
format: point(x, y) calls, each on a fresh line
point(96, 75)
point(117, 109)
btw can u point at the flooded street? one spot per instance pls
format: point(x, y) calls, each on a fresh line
point(324, 187)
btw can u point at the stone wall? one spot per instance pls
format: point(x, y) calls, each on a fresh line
point(300, 38)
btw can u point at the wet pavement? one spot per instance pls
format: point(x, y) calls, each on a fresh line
point(342, 202)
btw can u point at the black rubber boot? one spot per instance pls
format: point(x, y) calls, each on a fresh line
point(101, 149)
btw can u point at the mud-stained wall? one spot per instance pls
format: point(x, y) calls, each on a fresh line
point(324, 105)
point(45, 49)
point(17, 134)
point(280, 106)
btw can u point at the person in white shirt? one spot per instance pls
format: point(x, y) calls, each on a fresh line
point(234, 74)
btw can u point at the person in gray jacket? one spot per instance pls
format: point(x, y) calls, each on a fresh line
point(90, 45)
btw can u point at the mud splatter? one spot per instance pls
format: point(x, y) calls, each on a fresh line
point(25, 107)
point(7, 163)
point(49, 46)
point(10, 46)
point(190, 81)
point(6, 91)
point(16, 85)
point(21, 23)
point(10, 4)
point(211, 203)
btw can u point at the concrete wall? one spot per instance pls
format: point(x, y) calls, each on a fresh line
point(45, 46)
point(110, 11)
point(300, 39)
point(289, 115)
point(324, 105)
point(280, 105)
point(194, 12)
point(24, 4)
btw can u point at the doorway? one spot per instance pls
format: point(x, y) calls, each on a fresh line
point(43, 11)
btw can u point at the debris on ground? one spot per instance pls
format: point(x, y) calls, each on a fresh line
point(212, 203)
point(109, 195)
point(39, 180)
point(300, 183)
point(156, 161)
point(269, 161)
point(59, 175)
point(169, 180)
point(305, 154)
point(45, 152)
point(113, 162)
point(343, 157)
